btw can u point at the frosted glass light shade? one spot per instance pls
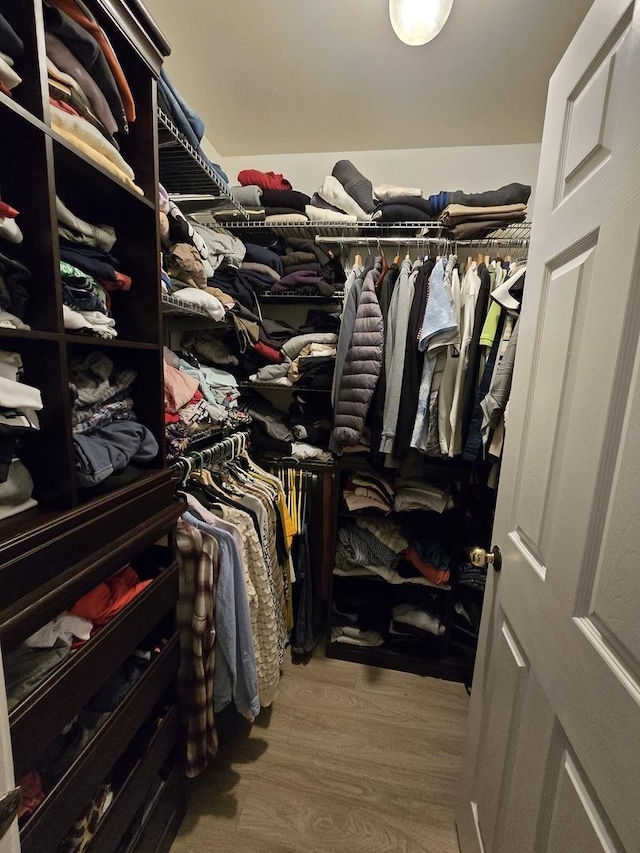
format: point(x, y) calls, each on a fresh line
point(418, 21)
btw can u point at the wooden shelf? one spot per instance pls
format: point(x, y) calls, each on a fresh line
point(72, 160)
point(71, 685)
point(132, 794)
point(25, 616)
point(56, 552)
point(372, 578)
point(22, 112)
point(28, 335)
point(50, 823)
point(451, 668)
point(117, 343)
point(160, 828)
point(41, 546)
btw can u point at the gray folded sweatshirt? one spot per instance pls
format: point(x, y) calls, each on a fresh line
point(359, 188)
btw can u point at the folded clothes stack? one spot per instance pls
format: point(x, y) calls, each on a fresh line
point(470, 215)
point(192, 255)
point(362, 552)
point(345, 195)
point(11, 48)
point(197, 397)
point(188, 122)
point(89, 94)
point(401, 204)
point(19, 404)
point(31, 662)
point(306, 361)
point(359, 619)
point(414, 621)
point(14, 294)
point(106, 434)
point(89, 274)
point(366, 491)
point(272, 432)
point(417, 494)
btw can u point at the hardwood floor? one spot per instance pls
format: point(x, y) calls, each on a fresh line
point(348, 759)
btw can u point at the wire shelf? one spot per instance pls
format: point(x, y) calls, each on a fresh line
point(335, 230)
point(275, 386)
point(182, 169)
point(291, 297)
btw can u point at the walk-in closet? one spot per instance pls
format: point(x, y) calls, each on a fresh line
point(319, 426)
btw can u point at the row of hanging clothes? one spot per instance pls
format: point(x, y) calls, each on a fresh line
point(425, 356)
point(237, 543)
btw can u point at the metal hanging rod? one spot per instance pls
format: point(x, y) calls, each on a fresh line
point(222, 451)
point(384, 241)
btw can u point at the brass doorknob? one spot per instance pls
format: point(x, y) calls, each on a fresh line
point(481, 558)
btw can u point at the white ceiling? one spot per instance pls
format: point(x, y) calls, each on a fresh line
point(289, 76)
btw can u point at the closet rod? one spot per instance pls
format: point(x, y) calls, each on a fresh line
point(222, 451)
point(384, 241)
point(480, 243)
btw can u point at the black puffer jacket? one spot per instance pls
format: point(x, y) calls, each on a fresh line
point(362, 365)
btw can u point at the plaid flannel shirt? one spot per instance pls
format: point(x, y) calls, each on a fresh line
point(198, 555)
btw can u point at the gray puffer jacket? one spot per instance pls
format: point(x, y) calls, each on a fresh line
point(362, 365)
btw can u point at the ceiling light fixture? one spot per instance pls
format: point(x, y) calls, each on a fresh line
point(418, 21)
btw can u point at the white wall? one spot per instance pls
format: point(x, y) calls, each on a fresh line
point(472, 169)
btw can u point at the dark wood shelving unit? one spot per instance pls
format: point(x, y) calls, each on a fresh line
point(55, 553)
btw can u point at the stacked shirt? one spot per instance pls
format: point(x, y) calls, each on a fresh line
point(11, 48)
point(197, 397)
point(89, 94)
point(191, 254)
point(367, 491)
point(471, 215)
point(401, 204)
point(417, 494)
point(89, 274)
point(19, 404)
point(106, 434)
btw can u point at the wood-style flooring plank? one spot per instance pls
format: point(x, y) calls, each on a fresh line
point(326, 823)
point(349, 758)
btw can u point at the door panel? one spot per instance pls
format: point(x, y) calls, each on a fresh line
point(509, 670)
point(560, 640)
point(577, 824)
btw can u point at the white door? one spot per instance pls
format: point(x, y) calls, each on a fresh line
point(9, 842)
point(553, 752)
